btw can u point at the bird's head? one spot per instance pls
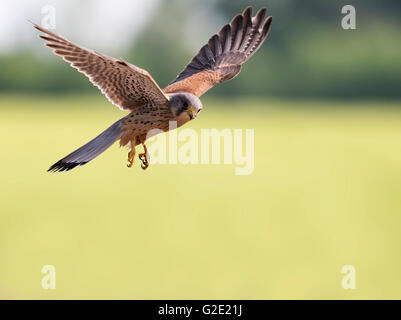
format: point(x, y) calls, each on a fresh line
point(185, 106)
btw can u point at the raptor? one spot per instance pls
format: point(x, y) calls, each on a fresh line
point(133, 89)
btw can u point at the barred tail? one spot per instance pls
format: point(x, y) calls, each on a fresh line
point(89, 150)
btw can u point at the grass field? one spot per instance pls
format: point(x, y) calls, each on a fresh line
point(325, 193)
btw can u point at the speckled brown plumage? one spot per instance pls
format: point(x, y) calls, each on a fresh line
point(132, 88)
point(139, 122)
point(124, 84)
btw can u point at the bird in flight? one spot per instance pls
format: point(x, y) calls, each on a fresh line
point(133, 89)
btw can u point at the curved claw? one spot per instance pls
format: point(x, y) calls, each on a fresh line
point(144, 157)
point(131, 158)
point(144, 163)
point(144, 160)
point(130, 163)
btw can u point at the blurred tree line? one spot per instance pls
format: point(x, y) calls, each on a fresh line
point(307, 54)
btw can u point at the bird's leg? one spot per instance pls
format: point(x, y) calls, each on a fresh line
point(131, 155)
point(144, 157)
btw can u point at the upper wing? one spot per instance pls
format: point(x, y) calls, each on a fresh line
point(221, 58)
point(124, 84)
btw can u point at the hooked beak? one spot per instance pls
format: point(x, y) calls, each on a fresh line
point(192, 113)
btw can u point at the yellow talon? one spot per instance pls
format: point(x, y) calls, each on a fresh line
point(144, 157)
point(131, 157)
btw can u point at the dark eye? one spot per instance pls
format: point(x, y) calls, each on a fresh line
point(185, 106)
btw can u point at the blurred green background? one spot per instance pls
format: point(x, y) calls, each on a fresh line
point(324, 104)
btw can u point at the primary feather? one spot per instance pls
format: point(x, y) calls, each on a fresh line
point(124, 84)
point(221, 58)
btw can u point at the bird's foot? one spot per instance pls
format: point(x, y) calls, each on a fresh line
point(131, 158)
point(144, 157)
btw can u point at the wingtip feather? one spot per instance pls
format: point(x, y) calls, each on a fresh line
point(248, 11)
point(267, 27)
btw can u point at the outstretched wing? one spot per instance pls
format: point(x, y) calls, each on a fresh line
point(124, 84)
point(221, 58)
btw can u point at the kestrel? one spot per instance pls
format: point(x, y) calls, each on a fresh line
point(133, 89)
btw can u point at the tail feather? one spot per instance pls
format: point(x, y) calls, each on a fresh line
point(89, 150)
